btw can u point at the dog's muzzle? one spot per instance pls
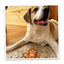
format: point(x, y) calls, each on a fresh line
point(43, 21)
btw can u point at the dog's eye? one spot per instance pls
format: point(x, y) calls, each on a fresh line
point(35, 9)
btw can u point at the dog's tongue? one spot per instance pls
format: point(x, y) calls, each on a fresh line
point(40, 22)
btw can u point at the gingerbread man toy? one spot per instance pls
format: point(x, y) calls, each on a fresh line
point(32, 53)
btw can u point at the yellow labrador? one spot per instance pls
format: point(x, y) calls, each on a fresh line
point(40, 30)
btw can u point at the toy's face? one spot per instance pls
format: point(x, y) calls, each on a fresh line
point(33, 51)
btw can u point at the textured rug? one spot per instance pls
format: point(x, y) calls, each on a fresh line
point(42, 52)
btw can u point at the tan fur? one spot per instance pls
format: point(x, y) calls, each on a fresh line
point(55, 23)
point(51, 29)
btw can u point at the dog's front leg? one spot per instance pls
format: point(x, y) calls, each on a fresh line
point(17, 44)
point(54, 45)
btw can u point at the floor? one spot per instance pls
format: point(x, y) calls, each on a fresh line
point(14, 33)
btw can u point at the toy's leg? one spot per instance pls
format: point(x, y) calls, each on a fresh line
point(54, 45)
point(15, 45)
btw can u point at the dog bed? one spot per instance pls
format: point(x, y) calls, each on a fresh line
point(42, 52)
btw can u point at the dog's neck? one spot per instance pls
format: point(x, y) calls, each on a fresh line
point(38, 28)
point(37, 31)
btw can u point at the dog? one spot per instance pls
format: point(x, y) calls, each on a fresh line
point(40, 29)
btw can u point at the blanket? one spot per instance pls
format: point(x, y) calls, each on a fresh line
point(42, 52)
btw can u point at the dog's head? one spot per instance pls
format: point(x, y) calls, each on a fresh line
point(37, 15)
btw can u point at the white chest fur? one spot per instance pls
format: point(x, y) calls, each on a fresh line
point(37, 33)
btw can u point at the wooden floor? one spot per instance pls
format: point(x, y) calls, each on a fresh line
point(14, 33)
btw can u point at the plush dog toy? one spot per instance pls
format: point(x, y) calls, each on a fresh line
point(32, 53)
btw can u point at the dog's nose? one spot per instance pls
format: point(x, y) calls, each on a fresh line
point(46, 10)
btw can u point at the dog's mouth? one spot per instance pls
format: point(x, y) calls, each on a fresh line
point(41, 22)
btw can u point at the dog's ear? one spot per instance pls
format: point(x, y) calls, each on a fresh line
point(27, 16)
